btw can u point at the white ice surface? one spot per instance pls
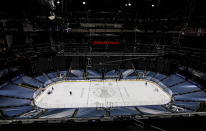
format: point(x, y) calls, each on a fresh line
point(107, 93)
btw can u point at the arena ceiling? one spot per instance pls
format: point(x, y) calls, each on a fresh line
point(142, 8)
point(136, 23)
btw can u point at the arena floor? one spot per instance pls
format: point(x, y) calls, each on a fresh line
point(102, 93)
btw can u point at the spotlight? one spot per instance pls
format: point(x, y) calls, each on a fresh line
point(129, 4)
point(153, 5)
point(126, 5)
point(84, 3)
point(52, 16)
point(58, 2)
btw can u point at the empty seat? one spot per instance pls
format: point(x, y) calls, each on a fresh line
point(123, 111)
point(160, 76)
point(11, 112)
point(191, 105)
point(90, 112)
point(58, 113)
point(52, 75)
point(151, 74)
point(31, 81)
point(156, 109)
point(42, 78)
point(5, 101)
point(196, 96)
point(173, 79)
point(16, 91)
point(78, 73)
point(126, 73)
point(183, 88)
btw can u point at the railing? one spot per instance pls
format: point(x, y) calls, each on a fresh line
point(164, 87)
point(55, 80)
point(37, 93)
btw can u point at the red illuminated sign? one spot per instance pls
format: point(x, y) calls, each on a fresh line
point(105, 43)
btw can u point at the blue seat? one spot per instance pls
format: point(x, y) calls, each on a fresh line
point(42, 78)
point(156, 109)
point(197, 96)
point(90, 112)
point(92, 73)
point(77, 73)
point(5, 101)
point(160, 76)
point(127, 73)
point(26, 94)
point(58, 113)
point(184, 87)
point(31, 81)
point(11, 112)
point(16, 91)
point(192, 105)
point(31, 114)
point(52, 75)
point(74, 78)
point(173, 79)
point(123, 111)
point(111, 73)
point(131, 77)
point(63, 72)
point(151, 74)
point(17, 79)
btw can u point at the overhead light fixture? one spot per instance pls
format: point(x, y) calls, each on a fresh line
point(84, 2)
point(153, 5)
point(58, 2)
point(52, 16)
point(126, 5)
point(129, 4)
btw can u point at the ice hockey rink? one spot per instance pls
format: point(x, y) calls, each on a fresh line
point(101, 93)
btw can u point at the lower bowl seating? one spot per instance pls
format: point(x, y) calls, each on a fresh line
point(16, 97)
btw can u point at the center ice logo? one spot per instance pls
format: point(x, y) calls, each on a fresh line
point(104, 92)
